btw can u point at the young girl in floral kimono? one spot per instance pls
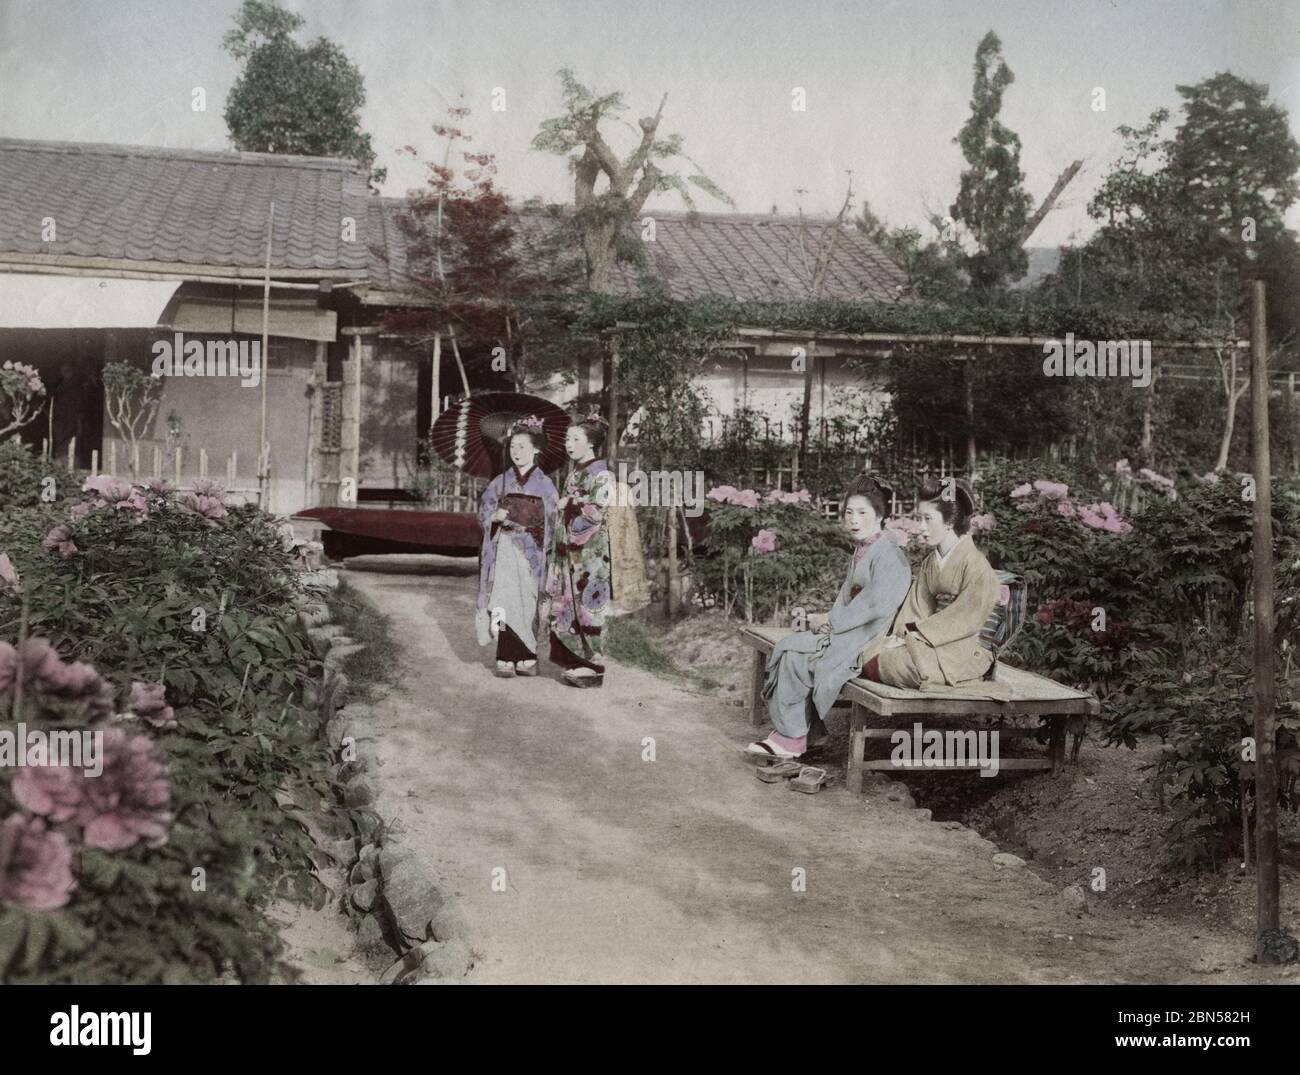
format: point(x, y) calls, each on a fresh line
point(934, 641)
point(579, 583)
point(515, 513)
point(808, 668)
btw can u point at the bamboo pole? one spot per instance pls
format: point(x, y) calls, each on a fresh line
point(1266, 868)
point(266, 323)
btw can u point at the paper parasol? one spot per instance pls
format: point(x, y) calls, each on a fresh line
point(471, 433)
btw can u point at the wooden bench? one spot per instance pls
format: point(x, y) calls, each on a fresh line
point(1031, 696)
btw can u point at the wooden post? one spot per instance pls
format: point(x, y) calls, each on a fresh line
point(72, 454)
point(266, 318)
point(437, 377)
point(135, 460)
point(112, 459)
point(1266, 869)
point(234, 467)
point(94, 462)
point(611, 400)
point(157, 461)
point(203, 462)
point(176, 481)
point(968, 398)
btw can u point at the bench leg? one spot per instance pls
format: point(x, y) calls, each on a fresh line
point(1056, 743)
point(857, 749)
point(757, 707)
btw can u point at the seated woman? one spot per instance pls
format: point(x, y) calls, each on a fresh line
point(811, 666)
point(934, 641)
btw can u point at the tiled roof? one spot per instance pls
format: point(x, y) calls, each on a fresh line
point(186, 207)
point(197, 208)
point(745, 257)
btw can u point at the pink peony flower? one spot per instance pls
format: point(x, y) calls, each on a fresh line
point(208, 487)
point(764, 541)
point(9, 574)
point(903, 529)
point(1052, 490)
point(35, 865)
point(60, 540)
point(721, 493)
point(1158, 480)
point(53, 791)
point(746, 498)
point(1004, 595)
point(210, 507)
point(80, 511)
point(982, 522)
point(148, 700)
point(128, 802)
point(47, 677)
point(1122, 467)
point(1066, 508)
point(107, 488)
point(1021, 490)
point(159, 487)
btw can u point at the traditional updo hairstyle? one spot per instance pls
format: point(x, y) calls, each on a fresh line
point(533, 430)
point(956, 512)
point(876, 492)
point(596, 429)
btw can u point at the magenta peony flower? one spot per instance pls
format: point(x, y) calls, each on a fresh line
point(764, 541)
point(1021, 490)
point(148, 701)
point(982, 522)
point(35, 865)
point(1052, 490)
point(9, 574)
point(128, 802)
point(53, 791)
point(60, 540)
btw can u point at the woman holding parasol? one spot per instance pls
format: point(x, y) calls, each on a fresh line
point(515, 513)
point(579, 580)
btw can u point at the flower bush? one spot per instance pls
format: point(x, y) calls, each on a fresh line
point(768, 552)
point(167, 623)
point(1150, 614)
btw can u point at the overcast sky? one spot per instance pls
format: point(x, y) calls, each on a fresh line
point(888, 83)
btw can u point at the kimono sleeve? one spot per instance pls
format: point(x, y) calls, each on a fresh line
point(488, 504)
point(591, 515)
point(887, 586)
point(964, 617)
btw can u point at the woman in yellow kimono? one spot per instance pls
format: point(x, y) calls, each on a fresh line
point(934, 642)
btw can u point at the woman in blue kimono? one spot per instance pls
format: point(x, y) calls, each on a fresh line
point(808, 668)
point(515, 514)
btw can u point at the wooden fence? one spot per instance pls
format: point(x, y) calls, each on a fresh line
point(156, 462)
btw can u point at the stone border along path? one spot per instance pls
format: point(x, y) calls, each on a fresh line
point(525, 839)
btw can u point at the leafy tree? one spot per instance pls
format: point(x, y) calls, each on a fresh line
point(1189, 217)
point(991, 202)
point(602, 218)
point(294, 98)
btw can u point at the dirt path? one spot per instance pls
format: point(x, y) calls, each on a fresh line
point(680, 869)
